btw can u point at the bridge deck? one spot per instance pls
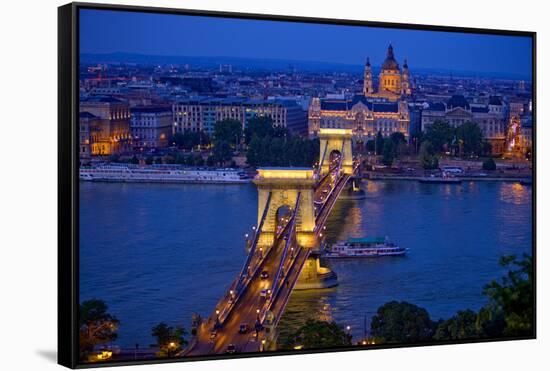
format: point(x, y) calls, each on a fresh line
point(244, 310)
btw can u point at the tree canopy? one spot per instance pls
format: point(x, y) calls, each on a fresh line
point(402, 322)
point(428, 158)
point(461, 326)
point(440, 134)
point(317, 334)
point(97, 325)
point(470, 138)
point(289, 151)
point(170, 340)
point(228, 130)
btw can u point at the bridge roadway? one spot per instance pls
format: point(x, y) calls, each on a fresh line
point(245, 309)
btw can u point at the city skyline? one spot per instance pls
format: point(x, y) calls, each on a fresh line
point(105, 32)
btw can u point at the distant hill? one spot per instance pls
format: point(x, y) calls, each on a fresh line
point(268, 64)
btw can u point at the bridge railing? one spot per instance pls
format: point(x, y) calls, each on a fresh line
point(291, 235)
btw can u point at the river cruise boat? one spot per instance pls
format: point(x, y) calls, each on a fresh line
point(160, 174)
point(364, 248)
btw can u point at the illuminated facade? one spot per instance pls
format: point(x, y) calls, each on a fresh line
point(384, 110)
point(151, 126)
point(393, 82)
point(201, 114)
point(491, 118)
point(284, 185)
point(110, 129)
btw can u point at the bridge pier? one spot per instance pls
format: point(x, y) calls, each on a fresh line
point(285, 184)
point(339, 141)
point(314, 276)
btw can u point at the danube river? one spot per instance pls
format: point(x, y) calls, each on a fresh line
point(157, 252)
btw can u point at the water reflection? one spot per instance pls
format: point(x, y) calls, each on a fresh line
point(161, 252)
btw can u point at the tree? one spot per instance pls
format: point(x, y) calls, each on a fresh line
point(489, 164)
point(97, 326)
point(222, 152)
point(369, 146)
point(512, 297)
point(199, 161)
point(440, 133)
point(260, 126)
point(210, 161)
point(317, 334)
point(397, 138)
point(402, 322)
point(461, 326)
point(388, 152)
point(379, 143)
point(134, 160)
point(470, 137)
point(170, 340)
point(428, 159)
point(228, 130)
point(149, 160)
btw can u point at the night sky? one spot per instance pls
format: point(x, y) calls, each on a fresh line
point(104, 31)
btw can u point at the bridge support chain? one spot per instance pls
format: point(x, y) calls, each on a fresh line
point(314, 276)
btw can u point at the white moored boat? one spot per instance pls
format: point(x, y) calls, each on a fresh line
point(160, 174)
point(364, 248)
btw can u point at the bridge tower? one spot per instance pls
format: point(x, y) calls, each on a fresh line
point(284, 185)
point(336, 140)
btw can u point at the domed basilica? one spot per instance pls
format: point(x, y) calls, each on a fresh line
point(383, 110)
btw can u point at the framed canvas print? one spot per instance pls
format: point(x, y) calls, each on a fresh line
point(240, 185)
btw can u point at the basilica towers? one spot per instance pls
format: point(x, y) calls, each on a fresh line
point(393, 82)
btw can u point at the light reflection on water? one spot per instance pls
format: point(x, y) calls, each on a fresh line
point(456, 234)
point(161, 252)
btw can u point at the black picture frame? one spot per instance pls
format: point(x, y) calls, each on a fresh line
point(68, 166)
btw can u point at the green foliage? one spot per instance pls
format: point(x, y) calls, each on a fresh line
point(261, 126)
point(402, 322)
point(134, 160)
point(379, 142)
point(397, 138)
point(513, 296)
point(170, 340)
point(489, 164)
point(389, 152)
point(97, 326)
point(317, 334)
point(229, 131)
point(369, 146)
point(508, 313)
point(461, 326)
point(199, 161)
point(428, 158)
point(149, 160)
point(439, 134)
point(470, 138)
point(276, 151)
point(210, 161)
point(222, 152)
point(189, 139)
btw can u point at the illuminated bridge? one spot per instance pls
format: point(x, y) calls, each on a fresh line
point(293, 206)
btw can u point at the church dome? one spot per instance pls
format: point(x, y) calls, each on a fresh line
point(390, 63)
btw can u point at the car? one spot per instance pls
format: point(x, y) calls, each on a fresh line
point(265, 293)
point(213, 335)
point(231, 348)
point(243, 328)
point(264, 275)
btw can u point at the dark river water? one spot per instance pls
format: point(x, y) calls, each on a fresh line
point(161, 252)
